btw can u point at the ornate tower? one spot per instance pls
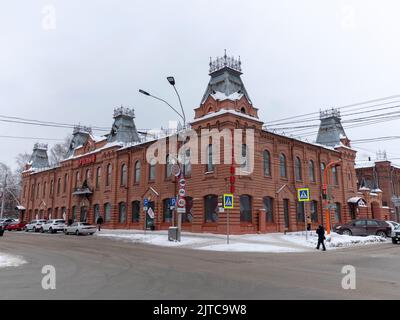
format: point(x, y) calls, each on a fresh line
point(39, 158)
point(225, 90)
point(331, 132)
point(123, 128)
point(80, 136)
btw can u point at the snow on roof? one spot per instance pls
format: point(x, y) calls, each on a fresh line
point(225, 111)
point(222, 96)
point(97, 138)
point(364, 164)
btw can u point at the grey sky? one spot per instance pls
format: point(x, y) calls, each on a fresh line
point(297, 57)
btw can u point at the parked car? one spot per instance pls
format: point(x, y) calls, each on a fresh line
point(53, 225)
point(396, 235)
point(35, 225)
point(364, 227)
point(6, 221)
point(80, 228)
point(393, 224)
point(18, 226)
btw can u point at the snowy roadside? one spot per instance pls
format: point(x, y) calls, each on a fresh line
point(272, 242)
point(7, 260)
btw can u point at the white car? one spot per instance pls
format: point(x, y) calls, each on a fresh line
point(393, 224)
point(35, 225)
point(80, 228)
point(54, 225)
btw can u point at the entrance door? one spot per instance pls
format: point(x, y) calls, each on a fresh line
point(149, 219)
point(286, 212)
point(83, 216)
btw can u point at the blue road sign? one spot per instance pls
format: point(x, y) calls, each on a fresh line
point(145, 202)
point(228, 201)
point(303, 194)
point(172, 202)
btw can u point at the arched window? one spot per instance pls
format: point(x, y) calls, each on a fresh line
point(58, 186)
point(44, 189)
point(152, 170)
point(74, 213)
point(96, 213)
point(245, 208)
point(76, 179)
point(167, 212)
point(243, 110)
point(188, 215)
point(123, 175)
point(38, 191)
point(300, 211)
point(267, 163)
point(135, 211)
point(314, 211)
point(137, 171)
point(322, 172)
point(65, 183)
point(338, 212)
point(51, 187)
point(245, 158)
point(169, 163)
point(98, 176)
point(122, 212)
point(107, 212)
point(269, 209)
point(311, 170)
point(297, 169)
point(187, 163)
point(282, 166)
point(109, 173)
point(210, 164)
point(335, 176)
point(211, 208)
point(87, 175)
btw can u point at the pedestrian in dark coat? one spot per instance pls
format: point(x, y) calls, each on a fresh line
point(321, 237)
point(99, 222)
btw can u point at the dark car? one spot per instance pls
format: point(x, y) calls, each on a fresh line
point(364, 227)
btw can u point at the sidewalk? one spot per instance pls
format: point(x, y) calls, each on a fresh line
point(271, 242)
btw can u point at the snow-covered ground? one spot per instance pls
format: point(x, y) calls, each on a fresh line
point(272, 242)
point(7, 260)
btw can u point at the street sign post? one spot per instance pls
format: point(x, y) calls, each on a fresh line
point(227, 204)
point(303, 195)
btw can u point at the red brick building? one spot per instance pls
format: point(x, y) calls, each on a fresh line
point(110, 176)
point(381, 177)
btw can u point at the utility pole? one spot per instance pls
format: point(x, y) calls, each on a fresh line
point(326, 195)
point(3, 195)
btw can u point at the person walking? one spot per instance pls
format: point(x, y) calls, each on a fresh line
point(321, 237)
point(99, 222)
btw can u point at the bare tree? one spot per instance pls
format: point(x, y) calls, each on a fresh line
point(59, 151)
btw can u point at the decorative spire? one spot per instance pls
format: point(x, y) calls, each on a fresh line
point(121, 111)
point(225, 61)
point(40, 146)
point(82, 129)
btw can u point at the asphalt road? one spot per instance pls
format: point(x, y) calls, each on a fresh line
point(89, 267)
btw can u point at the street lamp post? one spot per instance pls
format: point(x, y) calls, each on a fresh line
point(181, 176)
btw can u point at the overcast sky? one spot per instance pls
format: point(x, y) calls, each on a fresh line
point(297, 57)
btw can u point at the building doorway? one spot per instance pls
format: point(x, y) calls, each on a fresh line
point(150, 215)
point(83, 216)
point(286, 212)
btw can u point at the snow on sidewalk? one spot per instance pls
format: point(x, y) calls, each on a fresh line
point(271, 242)
point(7, 260)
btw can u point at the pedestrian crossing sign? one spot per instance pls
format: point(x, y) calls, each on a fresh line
point(228, 201)
point(303, 194)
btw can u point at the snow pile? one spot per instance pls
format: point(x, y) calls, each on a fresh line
point(335, 240)
point(7, 260)
point(271, 242)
